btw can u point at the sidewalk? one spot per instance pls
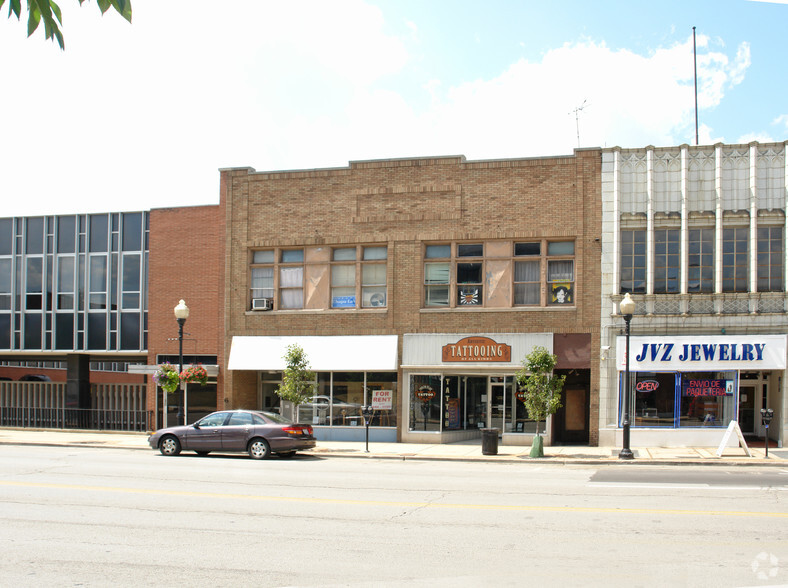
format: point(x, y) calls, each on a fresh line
point(465, 451)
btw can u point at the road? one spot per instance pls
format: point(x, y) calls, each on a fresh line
point(99, 517)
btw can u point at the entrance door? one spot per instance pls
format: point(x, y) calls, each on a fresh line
point(498, 409)
point(749, 394)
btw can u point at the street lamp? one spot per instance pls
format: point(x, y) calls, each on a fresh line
point(627, 308)
point(181, 314)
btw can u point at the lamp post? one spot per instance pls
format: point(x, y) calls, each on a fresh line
point(627, 308)
point(181, 314)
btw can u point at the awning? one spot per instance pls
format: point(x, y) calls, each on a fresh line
point(325, 354)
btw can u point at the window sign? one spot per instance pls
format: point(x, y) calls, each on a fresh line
point(695, 387)
point(343, 302)
point(382, 399)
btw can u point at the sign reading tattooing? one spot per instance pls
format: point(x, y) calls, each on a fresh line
point(699, 353)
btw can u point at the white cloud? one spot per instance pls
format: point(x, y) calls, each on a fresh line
point(142, 115)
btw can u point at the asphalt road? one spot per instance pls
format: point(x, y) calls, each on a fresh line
point(100, 517)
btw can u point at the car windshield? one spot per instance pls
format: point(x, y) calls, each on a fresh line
point(276, 418)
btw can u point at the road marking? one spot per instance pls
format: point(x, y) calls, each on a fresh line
point(399, 504)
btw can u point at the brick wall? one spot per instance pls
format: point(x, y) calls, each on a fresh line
point(402, 203)
point(186, 261)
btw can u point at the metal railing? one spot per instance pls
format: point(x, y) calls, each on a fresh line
point(75, 418)
point(114, 407)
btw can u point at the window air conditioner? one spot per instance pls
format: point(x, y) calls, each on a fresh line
point(262, 304)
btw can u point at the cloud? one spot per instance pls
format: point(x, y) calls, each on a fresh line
point(142, 116)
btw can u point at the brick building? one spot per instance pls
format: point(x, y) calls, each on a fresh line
point(417, 285)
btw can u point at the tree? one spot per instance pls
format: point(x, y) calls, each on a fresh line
point(49, 12)
point(298, 383)
point(542, 390)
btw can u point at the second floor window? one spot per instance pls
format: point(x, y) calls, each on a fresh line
point(770, 259)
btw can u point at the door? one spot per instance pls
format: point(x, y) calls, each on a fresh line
point(571, 420)
point(749, 393)
point(206, 435)
point(498, 409)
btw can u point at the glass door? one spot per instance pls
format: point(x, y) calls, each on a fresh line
point(499, 411)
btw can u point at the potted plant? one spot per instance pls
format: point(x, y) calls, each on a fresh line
point(542, 390)
point(195, 374)
point(166, 376)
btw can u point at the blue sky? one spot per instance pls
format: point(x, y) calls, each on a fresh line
point(142, 116)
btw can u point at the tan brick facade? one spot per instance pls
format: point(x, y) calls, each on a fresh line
point(401, 204)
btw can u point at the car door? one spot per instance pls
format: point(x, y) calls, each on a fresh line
point(206, 434)
point(236, 432)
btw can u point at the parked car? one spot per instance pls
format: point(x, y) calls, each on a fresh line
point(35, 378)
point(255, 432)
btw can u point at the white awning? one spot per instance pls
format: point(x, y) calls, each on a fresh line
point(324, 354)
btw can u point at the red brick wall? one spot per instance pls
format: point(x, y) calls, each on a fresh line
point(186, 261)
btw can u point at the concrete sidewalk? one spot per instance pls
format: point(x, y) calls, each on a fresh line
point(465, 451)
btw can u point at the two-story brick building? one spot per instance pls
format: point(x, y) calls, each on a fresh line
point(417, 285)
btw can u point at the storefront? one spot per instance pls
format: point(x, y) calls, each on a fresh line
point(456, 384)
point(350, 372)
point(686, 390)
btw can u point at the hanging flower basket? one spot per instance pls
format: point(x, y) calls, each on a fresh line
point(166, 376)
point(195, 374)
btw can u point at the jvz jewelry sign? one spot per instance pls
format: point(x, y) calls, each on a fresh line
point(476, 349)
point(684, 353)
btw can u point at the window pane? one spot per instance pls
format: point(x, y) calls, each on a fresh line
point(131, 273)
point(343, 275)
point(344, 254)
point(5, 276)
point(469, 295)
point(526, 293)
point(373, 274)
point(526, 271)
point(132, 231)
point(263, 257)
point(561, 248)
point(98, 273)
point(291, 277)
point(373, 297)
point(34, 242)
point(293, 256)
point(373, 253)
point(436, 295)
point(129, 330)
point(469, 273)
point(560, 270)
point(66, 226)
point(263, 282)
point(470, 250)
point(65, 274)
point(98, 233)
point(527, 248)
point(6, 236)
point(293, 298)
point(437, 251)
point(436, 273)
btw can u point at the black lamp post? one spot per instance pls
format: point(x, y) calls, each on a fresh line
point(767, 414)
point(181, 314)
point(627, 308)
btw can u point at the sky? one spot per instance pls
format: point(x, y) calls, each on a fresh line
point(144, 115)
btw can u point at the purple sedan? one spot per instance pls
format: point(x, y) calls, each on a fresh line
point(255, 432)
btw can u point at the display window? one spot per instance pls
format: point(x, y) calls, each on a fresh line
point(682, 399)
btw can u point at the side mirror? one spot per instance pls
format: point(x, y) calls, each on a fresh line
point(196, 425)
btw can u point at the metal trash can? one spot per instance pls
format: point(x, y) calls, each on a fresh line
point(489, 441)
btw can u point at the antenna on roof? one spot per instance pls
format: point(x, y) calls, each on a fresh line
point(577, 112)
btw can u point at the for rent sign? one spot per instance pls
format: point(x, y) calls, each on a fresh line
point(382, 399)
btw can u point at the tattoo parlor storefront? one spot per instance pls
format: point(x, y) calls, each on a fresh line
point(456, 384)
point(687, 389)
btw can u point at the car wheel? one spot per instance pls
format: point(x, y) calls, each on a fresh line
point(202, 453)
point(287, 454)
point(259, 448)
point(170, 445)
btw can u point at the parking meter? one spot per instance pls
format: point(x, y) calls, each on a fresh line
point(767, 414)
point(368, 413)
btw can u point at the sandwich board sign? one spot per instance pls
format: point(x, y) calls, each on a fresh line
point(733, 426)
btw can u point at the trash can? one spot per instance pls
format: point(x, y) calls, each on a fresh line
point(489, 441)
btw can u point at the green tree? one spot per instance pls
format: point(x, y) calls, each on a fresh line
point(298, 383)
point(542, 390)
point(49, 12)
